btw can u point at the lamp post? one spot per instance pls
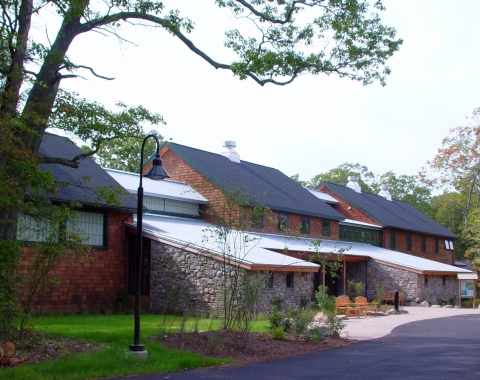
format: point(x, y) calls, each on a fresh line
point(157, 173)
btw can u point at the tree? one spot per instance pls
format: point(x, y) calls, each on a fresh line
point(406, 188)
point(353, 44)
point(340, 174)
point(350, 38)
point(124, 154)
point(455, 169)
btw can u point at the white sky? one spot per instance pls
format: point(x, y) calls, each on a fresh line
point(316, 123)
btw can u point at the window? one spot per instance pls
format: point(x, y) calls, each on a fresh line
point(437, 245)
point(282, 221)
point(424, 244)
point(325, 228)
point(449, 245)
point(393, 240)
point(444, 281)
point(91, 227)
point(269, 280)
point(257, 218)
point(358, 234)
point(409, 242)
point(426, 280)
point(305, 224)
point(289, 277)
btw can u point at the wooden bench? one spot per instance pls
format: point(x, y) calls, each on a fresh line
point(341, 304)
point(389, 296)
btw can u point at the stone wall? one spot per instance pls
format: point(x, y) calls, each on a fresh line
point(185, 280)
point(302, 286)
point(435, 289)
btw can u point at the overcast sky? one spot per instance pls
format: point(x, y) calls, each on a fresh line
point(315, 123)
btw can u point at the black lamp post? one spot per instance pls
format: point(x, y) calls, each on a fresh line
point(157, 173)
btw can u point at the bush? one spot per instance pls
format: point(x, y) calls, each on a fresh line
point(278, 333)
point(325, 302)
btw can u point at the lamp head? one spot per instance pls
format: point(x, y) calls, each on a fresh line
point(157, 172)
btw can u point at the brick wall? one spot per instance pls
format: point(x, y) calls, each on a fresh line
point(351, 212)
point(94, 281)
point(346, 209)
point(180, 170)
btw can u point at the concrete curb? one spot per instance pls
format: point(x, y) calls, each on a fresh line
point(370, 327)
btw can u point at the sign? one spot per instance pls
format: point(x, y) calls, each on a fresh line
point(467, 288)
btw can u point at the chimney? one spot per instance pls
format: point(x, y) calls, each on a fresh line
point(231, 153)
point(353, 184)
point(385, 193)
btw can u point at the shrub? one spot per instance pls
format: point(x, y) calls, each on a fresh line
point(278, 333)
point(325, 302)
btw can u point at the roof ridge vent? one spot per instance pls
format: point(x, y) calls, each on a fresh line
point(353, 184)
point(384, 192)
point(231, 153)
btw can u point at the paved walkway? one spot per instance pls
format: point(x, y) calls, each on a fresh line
point(365, 328)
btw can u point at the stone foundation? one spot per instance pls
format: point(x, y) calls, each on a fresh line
point(437, 288)
point(180, 279)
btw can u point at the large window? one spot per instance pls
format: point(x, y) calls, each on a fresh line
point(91, 227)
point(305, 224)
point(282, 221)
point(360, 235)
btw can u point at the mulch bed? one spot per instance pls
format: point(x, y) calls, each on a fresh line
point(258, 346)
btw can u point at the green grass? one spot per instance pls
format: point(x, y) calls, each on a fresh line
point(117, 332)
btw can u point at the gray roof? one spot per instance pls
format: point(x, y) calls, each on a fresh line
point(168, 189)
point(394, 213)
point(260, 184)
point(83, 181)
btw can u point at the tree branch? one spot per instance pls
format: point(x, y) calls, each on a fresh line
point(176, 32)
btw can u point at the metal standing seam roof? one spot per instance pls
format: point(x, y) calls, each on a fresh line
point(194, 233)
point(394, 213)
point(163, 189)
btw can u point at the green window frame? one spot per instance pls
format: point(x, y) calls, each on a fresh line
point(282, 221)
point(305, 224)
point(257, 219)
point(359, 235)
point(325, 228)
point(393, 240)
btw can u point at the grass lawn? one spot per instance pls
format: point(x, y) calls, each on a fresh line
point(117, 332)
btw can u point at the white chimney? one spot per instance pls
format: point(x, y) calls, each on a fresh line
point(231, 153)
point(385, 193)
point(353, 184)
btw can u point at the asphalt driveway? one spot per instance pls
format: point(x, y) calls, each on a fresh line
point(442, 348)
